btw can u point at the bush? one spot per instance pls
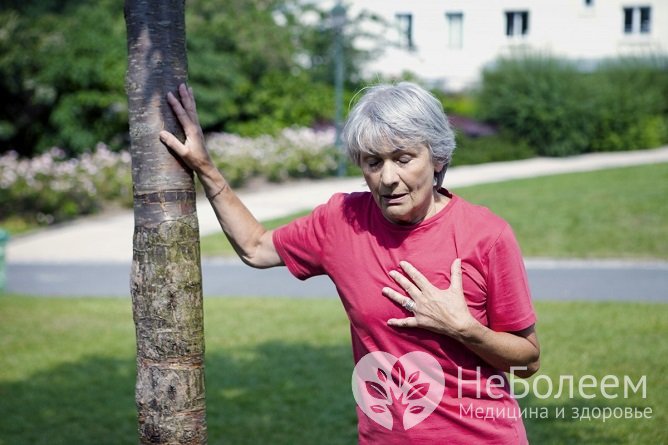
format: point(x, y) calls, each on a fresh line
point(630, 99)
point(538, 101)
point(62, 67)
point(294, 153)
point(551, 105)
point(489, 149)
point(52, 188)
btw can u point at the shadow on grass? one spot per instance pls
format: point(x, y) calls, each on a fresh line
point(278, 393)
point(281, 393)
point(591, 429)
point(90, 401)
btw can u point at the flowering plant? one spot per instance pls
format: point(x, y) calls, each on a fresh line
point(50, 188)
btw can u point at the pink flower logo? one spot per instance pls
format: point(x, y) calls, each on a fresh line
point(398, 392)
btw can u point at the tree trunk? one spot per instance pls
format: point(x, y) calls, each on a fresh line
point(166, 282)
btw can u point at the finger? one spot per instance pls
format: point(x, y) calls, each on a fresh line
point(420, 280)
point(189, 123)
point(406, 284)
point(393, 295)
point(405, 302)
point(179, 111)
point(409, 322)
point(456, 274)
point(172, 142)
point(188, 100)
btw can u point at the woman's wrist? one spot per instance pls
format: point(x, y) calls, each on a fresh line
point(213, 182)
point(211, 195)
point(205, 169)
point(472, 333)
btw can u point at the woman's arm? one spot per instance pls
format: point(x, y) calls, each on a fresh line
point(504, 350)
point(252, 242)
point(446, 312)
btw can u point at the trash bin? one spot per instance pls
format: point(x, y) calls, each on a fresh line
point(4, 237)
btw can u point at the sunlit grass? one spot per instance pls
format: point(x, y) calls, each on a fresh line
point(609, 213)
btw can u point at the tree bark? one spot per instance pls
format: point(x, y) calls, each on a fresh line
point(166, 281)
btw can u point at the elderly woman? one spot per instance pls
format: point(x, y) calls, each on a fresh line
point(434, 287)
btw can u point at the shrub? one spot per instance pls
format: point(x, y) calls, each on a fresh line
point(538, 100)
point(496, 148)
point(553, 106)
point(294, 153)
point(630, 100)
point(51, 188)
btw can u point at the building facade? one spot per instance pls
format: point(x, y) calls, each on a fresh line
point(448, 42)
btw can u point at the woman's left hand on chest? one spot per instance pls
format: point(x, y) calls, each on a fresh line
point(439, 310)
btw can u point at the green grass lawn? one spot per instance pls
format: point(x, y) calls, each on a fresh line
point(609, 213)
point(278, 371)
point(617, 213)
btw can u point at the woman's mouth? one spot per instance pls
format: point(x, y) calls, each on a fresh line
point(393, 199)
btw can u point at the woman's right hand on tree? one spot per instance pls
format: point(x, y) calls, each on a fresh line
point(192, 151)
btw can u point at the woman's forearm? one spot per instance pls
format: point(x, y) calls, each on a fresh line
point(505, 350)
point(246, 234)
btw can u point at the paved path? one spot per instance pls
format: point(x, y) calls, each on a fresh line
point(549, 280)
point(91, 256)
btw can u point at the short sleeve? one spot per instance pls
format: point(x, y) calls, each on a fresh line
point(301, 243)
point(509, 306)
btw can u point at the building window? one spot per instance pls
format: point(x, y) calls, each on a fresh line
point(637, 20)
point(645, 13)
point(517, 23)
point(628, 20)
point(405, 22)
point(455, 29)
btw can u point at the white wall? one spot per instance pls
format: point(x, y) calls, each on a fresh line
point(566, 28)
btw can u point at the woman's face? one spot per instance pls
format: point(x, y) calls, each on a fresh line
point(401, 182)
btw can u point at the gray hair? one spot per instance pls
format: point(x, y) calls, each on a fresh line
point(400, 116)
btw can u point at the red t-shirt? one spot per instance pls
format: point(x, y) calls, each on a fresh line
point(350, 240)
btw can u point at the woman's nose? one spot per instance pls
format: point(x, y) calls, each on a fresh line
point(388, 174)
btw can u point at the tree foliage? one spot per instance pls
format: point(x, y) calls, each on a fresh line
point(61, 75)
point(256, 67)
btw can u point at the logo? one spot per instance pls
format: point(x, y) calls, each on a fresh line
point(398, 392)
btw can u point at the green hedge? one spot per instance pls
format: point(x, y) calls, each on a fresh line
point(553, 106)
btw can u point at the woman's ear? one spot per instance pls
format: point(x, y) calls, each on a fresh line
point(439, 173)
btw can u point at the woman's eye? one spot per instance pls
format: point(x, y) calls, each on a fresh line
point(404, 160)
